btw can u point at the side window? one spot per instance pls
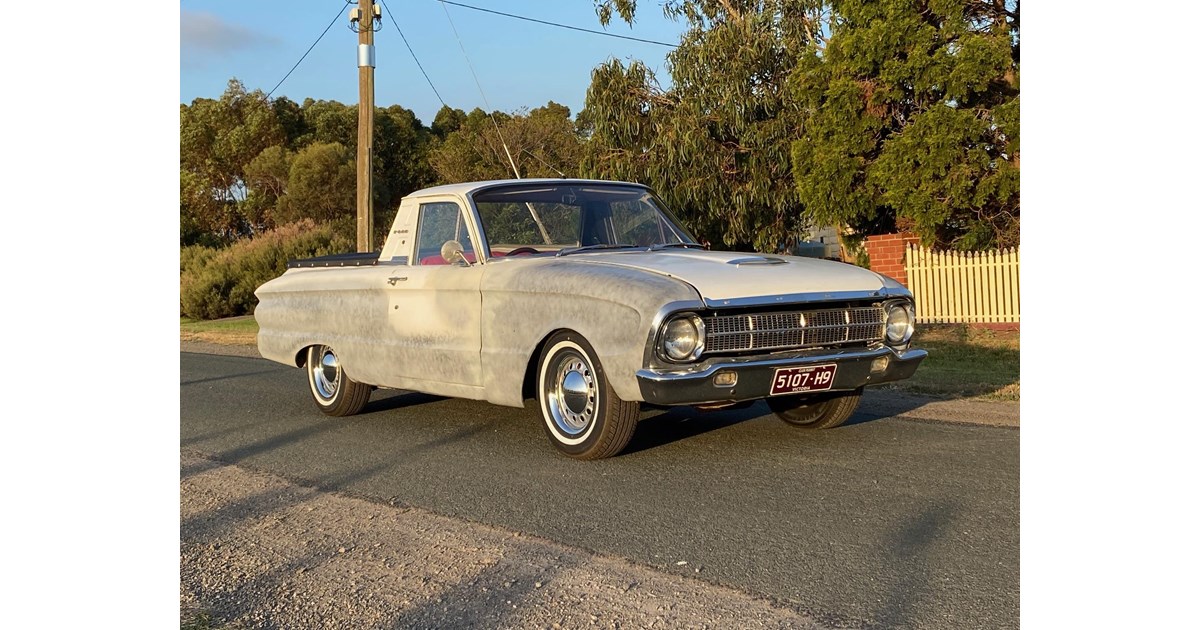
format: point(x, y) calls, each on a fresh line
point(440, 222)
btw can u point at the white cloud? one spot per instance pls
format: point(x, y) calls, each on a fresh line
point(204, 36)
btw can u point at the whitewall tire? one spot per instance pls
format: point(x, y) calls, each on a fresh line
point(581, 414)
point(334, 392)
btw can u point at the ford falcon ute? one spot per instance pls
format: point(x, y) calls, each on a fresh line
point(591, 299)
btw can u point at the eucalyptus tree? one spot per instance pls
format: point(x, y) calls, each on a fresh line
point(217, 139)
point(782, 114)
point(716, 143)
point(248, 163)
point(542, 142)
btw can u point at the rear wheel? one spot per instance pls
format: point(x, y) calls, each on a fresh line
point(333, 391)
point(581, 414)
point(819, 411)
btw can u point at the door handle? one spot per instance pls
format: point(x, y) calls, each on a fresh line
point(394, 279)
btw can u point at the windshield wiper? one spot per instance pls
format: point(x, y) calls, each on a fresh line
point(572, 250)
point(657, 246)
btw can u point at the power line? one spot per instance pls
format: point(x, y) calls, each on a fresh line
point(481, 94)
point(314, 45)
point(573, 28)
point(410, 51)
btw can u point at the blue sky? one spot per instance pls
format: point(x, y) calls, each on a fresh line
point(520, 64)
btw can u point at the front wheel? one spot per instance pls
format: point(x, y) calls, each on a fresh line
point(333, 391)
point(819, 411)
point(582, 415)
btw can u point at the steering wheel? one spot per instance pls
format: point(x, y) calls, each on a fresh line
point(522, 250)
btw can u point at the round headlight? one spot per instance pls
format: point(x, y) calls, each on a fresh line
point(899, 323)
point(683, 338)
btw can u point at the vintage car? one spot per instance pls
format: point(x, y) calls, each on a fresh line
point(591, 298)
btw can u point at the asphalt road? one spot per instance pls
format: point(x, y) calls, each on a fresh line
point(885, 522)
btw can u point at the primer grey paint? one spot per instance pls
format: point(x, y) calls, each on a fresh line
point(474, 331)
point(467, 332)
point(613, 308)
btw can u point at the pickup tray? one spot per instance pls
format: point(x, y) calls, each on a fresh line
point(353, 259)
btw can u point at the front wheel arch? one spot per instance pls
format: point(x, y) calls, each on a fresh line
point(529, 382)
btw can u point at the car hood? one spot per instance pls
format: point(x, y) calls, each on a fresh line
point(721, 277)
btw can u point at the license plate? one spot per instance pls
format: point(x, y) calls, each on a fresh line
point(810, 378)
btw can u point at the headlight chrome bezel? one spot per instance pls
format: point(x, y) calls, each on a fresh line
point(906, 328)
point(697, 325)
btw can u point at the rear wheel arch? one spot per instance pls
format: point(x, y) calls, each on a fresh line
point(302, 355)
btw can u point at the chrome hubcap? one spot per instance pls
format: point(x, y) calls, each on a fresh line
point(574, 392)
point(572, 395)
point(325, 374)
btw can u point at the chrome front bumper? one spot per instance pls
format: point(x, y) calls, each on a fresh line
point(695, 384)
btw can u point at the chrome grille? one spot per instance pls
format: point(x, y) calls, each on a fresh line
point(799, 329)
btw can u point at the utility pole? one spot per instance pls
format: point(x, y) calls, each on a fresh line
point(363, 21)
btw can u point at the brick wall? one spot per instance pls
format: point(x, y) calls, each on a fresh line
point(886, 252)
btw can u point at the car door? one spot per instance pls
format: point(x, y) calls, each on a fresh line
point(434, 304)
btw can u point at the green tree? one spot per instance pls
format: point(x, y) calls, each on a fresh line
point(291, 119)
point(329, 121)
point(447, 120)
point(320, 186)
point(869, 115)
point(542, 143)
point(237, 160)
point(266, 180)
point(217, 139)
point(715, 145)
point(400, 162)
point(911, 119)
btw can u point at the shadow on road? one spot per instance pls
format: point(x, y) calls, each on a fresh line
point(400, 400)
point(202, 535)
point(204, 437)
point(241, 453)
point(218, 522)
point(223, 377)
point(490, 597)
point(878, 404)
point(446, 440)
point(680, 423)
point(907, 548)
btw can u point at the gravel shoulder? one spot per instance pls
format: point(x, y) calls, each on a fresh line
point(258, 550)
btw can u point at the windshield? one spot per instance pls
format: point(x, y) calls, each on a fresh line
point(564, 218)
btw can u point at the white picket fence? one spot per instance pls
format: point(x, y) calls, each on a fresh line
point(965, 287)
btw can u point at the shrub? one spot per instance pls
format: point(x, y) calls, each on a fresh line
point(195, 256)
point(220, 283)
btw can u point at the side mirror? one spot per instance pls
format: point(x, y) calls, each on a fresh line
point(452, 252)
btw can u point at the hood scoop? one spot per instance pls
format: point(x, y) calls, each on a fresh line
point(756, 260)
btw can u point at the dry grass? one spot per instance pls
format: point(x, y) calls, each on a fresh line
point(232, 331)
point(966, 362)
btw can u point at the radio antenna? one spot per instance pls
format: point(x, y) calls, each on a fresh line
point(544, 163)
point(504, 144)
